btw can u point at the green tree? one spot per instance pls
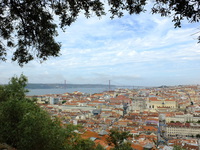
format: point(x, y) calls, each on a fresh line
point(25, 126)
point(63, 101)
point(198, 136)
point(99, 147)
point(83, 144)
point(118, 140)
point(33, 25)
point(14, 89)
point(177, 147)
point(75, 142)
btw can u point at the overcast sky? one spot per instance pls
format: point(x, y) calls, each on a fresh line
point(140, 50)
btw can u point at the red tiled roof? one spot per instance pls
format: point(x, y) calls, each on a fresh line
point(153, 99)
point(137, 146)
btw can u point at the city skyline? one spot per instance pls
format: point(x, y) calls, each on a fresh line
point(140, 50)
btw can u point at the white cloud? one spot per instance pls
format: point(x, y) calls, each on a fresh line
point(139, 47)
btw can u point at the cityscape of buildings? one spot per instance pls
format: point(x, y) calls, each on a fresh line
point(157, 118)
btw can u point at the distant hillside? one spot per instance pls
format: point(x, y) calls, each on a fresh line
point(62, 86)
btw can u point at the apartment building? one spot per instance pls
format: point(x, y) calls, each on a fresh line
point(155, 103)
point(182, 129)
point(181, 117)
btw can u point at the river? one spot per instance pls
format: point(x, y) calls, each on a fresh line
point(33, 92)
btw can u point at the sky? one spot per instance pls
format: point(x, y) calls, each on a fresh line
point(135, 50)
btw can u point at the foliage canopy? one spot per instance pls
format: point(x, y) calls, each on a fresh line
point(29, 29)
point(118, 139)
point(15, 89)
point(25, 126)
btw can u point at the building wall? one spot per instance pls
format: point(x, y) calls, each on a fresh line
point(54, 100)
point(183, 118)
point(154, 104)
point(42, 99)
point(182, 131)
point(138, 103)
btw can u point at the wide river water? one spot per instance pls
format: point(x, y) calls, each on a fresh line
point(62, 91)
